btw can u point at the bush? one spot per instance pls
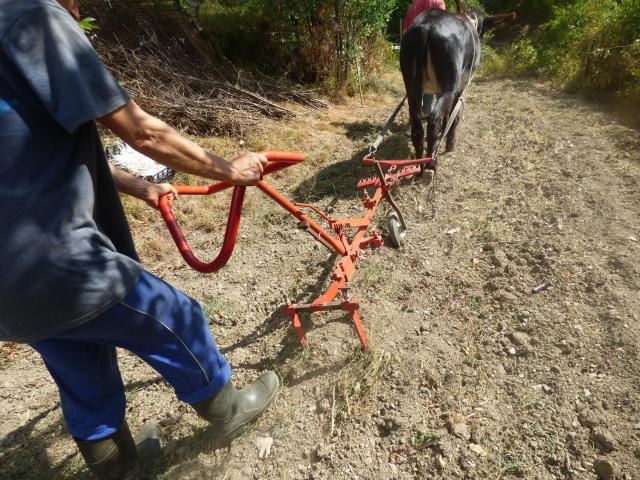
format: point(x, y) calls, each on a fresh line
point(593, 45)
point(588, 45)
point(312, 40)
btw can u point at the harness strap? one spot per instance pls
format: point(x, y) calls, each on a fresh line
point(373, 148)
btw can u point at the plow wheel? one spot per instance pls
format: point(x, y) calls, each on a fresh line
point(397, 234)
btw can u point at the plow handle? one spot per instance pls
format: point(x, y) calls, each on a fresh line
point(277, 161)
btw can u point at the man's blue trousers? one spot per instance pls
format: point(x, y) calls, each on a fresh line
point(156, 322)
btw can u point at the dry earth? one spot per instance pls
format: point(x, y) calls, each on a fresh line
point(471, 374)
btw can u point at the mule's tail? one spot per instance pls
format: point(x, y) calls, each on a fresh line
point(415, 47)
point(422, 51)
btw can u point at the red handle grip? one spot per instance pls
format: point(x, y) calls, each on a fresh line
point(277, 161)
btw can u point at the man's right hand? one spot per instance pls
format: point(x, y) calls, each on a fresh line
point(247, 169)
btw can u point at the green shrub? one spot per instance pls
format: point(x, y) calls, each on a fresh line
point(588, 45)
point(593, 45)
point(311, 40)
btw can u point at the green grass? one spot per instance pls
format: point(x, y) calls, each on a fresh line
point(422, 438)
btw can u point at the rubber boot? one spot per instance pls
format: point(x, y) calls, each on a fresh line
point(230, 410)
point(117, 456)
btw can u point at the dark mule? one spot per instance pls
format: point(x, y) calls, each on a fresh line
point(439, 54)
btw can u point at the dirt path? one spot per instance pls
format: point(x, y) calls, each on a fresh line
point(471, 375)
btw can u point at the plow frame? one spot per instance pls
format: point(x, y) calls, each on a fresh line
point(336, 238)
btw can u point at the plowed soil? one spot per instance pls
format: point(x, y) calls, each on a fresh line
point(471, 374)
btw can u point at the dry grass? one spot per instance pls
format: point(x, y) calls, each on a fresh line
point(362, 373)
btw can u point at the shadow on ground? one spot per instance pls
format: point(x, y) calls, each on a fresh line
point(338, 180)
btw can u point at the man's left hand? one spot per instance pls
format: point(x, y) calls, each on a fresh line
point(155, 191)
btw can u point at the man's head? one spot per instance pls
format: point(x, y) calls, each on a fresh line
point(71, 6)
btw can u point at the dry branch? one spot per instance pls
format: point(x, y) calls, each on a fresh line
point(200, 102)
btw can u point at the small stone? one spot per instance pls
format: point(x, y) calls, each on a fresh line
point(603, 439)
point(475, 448)
point(588, 419)
point(519, 339)
point(264, 444)
point(603, 468)
point(458, 427)
point(500, 371)
point(440, 462)
point(512, 351)
point(547, 389)
point(467, 464)
point(505, 297)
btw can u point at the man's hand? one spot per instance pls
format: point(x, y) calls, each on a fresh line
point(155, 191)
point(247, 169)
point(136, 187)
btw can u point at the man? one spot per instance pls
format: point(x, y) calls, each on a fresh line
point(419, 6)
point(70, 283)
point(415, 9)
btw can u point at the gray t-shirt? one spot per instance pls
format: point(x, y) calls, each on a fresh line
point(66, 253)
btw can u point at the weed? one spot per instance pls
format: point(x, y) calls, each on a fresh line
point(422, 438)
point(508, 465)
point(474, 302)
point(550, 444)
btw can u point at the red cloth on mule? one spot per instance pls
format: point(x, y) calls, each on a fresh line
point(419, 6)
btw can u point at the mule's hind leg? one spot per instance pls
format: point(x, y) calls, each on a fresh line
point(417, 136)
point(437, 121)
point(417, 130)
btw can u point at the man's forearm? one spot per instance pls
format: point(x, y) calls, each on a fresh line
point(129, 184)
point(157, 140)
point(136, 187)
point(162, 143)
